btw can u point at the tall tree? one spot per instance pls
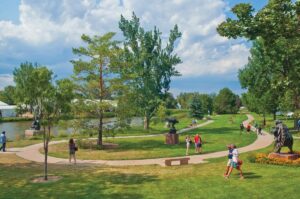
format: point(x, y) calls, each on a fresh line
point(93, 73)
point(150, 65)
point(225, 102)
point(196, 109)
point(277, 26)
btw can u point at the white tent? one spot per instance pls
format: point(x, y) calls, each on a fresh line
point(7, 110)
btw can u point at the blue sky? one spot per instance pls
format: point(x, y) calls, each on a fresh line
point(45, 32)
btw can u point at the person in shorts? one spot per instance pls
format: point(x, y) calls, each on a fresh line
point(230, 149)
point(188, 144)
point(235, 163)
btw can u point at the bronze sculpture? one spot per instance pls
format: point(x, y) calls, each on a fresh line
point(282, 137)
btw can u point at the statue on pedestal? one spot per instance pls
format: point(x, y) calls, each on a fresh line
point(172, 122)
point(282, 137)
point(36, 125)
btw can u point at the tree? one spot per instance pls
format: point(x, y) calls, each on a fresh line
point(171, 102)
point(8, 95)
point(150, 66)
point(93, 73)
point(196, 109)
point(225, 102)
point(184, 99)
point(278, 29)
point(31, 81)
point(54, 101)
point(207, 103)
point(258, 77)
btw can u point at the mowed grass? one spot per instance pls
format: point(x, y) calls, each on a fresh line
point(136, 182)
point(216, 136)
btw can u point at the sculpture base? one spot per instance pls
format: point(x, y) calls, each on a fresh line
point(30, 132)
point(172, 138)
point(283, 156)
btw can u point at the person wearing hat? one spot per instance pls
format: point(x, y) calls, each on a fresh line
point(3, 141)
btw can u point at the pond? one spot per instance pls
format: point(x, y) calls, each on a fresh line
point(17, 129)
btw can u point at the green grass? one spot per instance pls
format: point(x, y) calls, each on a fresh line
point(216, 136)
point(192, 181)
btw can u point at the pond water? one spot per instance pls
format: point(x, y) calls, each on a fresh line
point(17, 129)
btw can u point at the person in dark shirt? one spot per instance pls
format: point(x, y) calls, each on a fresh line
point(3, 141)
point(230, 149)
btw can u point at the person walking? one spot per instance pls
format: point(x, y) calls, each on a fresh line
point(241, 127)
point(298, 124)
point(235, 163)
point(200, 144)
point(188, 144)
point(230, 149)
point(196, 141)
point(259, 130)
point(72, 150)
point(3, 141)
point(248, 128)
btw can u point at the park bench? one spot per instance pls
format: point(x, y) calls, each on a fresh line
point(168, 162)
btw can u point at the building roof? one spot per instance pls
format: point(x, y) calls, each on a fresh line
point(4, 106)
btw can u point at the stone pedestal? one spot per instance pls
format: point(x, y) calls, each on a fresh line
point(283, 156)
point(32, 132)
point(172, 138)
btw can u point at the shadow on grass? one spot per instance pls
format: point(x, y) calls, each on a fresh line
point(82, 182)
point(251, 175)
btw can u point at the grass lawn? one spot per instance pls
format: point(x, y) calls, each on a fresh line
point(216, 136)
point(191, 181)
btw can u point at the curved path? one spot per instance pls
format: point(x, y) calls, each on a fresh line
point(32, 152)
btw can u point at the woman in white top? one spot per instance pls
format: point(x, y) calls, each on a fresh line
point(235, 163)
point(188, 144)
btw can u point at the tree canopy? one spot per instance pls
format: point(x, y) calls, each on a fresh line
point(149, 65)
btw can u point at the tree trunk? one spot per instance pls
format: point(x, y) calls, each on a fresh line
point(100, 129)
point(264, 123)
point(274, 116)
point(46, 140)
point(146, 122)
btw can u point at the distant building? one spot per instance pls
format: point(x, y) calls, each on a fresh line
point(7, 110)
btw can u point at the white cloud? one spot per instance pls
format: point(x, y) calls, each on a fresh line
point(49, 29)
point(6, 80)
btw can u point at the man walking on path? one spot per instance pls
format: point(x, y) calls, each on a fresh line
point(298, 124)
point(3, 141)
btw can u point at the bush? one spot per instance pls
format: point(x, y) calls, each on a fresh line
point(62, 135)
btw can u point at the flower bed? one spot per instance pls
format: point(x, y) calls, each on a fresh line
point(262, 158)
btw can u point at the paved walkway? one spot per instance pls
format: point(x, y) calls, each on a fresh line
point(32, 152)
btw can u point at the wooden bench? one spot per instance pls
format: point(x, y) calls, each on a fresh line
point(182, 161)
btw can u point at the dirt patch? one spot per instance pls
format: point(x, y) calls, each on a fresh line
point(41, 179)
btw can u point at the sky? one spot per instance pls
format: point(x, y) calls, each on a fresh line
point(46, 31)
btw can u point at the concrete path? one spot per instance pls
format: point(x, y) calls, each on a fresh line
point(32, 152)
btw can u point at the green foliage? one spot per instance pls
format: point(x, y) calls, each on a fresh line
point(274, 63)
point(8, 95)
point(171, 102)
point(94, 76)
point(161, 112)
point(196, 110)
point(226, 102)
point(148, 66)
